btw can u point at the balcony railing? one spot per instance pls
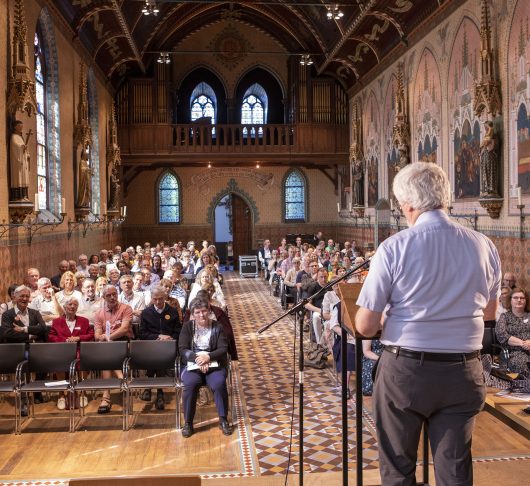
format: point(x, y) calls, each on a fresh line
point(220, 138)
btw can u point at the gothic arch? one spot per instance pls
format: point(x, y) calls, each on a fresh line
point(233, 188)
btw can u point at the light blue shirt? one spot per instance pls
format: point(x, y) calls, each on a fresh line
point(434, 279)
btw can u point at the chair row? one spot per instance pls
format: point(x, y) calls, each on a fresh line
point(45, 358)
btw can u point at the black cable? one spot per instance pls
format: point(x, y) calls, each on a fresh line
point(292, 404)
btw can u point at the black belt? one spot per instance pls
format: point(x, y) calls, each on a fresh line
point(424, 356)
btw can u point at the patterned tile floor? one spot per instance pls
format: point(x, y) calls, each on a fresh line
point(268, 369)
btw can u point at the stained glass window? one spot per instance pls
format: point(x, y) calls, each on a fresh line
point(202, 102)
point(94, 149)
point(254, 108)
point(168, 199)
point(294, 190)
point(42, 150)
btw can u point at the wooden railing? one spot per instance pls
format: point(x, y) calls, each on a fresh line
point(219, 138)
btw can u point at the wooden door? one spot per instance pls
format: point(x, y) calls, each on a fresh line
point(241, 228)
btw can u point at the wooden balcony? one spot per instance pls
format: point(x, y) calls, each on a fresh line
point(228, 144)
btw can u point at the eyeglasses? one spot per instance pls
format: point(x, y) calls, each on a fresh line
point(518, 298)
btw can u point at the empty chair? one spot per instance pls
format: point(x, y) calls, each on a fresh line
point(101, 356)
point(10, 356)
point(50, 358)
point(151, 355)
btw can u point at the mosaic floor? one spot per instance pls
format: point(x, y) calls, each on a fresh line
point(267, 374)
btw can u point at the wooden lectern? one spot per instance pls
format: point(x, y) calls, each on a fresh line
point(348, 293)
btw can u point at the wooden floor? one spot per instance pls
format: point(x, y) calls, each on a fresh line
point(46, 451)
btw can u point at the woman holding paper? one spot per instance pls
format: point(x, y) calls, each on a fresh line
point(203, 349)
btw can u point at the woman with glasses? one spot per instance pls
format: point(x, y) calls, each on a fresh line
point(513, 331)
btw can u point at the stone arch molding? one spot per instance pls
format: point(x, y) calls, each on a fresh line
point(232, 188)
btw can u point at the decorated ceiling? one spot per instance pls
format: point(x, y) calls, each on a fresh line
point(345, 39)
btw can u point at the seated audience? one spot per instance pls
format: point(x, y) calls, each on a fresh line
point(31, 281)
point(46, 302)
point(161, 322)
point(70, 328)
point(203, 350)
point(23, 325)
point(508, 280)
point(372, 349)
point(133, 299)
point(504, 302)
point(56, 279)
point(112, 323)
point(68, 284)
point(315, 304)
point(513, 331)
point(90, 304)
point(9, 303)
point(101, 283)
point(138, 281)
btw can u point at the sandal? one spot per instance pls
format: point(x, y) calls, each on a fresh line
point(104, 406)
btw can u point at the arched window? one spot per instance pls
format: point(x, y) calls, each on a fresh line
point(254, 108)
point(94, 150)
point(47, 118)
point(294, 189)
point(203, 102)
point(168, 198)
point(42, 148)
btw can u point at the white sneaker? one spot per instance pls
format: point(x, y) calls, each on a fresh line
point(61, 403)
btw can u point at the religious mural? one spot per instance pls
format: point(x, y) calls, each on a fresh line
point(372, 125)
point(391, 155)
point(464, 126)
point(519, 95)
point(427, 100)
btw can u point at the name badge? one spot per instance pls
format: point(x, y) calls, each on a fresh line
point(167, 317)
point(77, 328)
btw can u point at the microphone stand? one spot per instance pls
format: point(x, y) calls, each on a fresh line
point(300, 324)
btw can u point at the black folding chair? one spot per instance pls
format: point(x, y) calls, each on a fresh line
point(101, 356)
point(49, 358)
point(151, 355)
point(11, 355)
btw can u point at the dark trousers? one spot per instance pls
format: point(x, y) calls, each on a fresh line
point(447, 396)
point(193, 380)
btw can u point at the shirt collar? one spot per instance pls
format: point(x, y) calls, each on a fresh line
point(17, 310)
point(432, 216)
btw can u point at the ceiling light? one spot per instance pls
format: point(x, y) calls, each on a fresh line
point(163, 58)
point(209, 165)
point(150, 8)
point(257, 165)
point(306, 60)
point(334, 13)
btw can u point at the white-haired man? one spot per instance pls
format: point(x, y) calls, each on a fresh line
point(438, 282)
point(46, 302)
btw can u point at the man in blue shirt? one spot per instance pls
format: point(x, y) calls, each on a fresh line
point(437, 282)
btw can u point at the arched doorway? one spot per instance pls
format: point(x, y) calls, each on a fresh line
point(233, 223)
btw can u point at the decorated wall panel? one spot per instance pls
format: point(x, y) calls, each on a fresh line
point(372, 147)
point(427, 101)
point(390, 151)
point(464, 127)
point(519, 96)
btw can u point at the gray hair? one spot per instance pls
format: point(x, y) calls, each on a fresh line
point(69, 299)
point(43, 281)
point(197, 303)
point(107, 288)
point(158, 290)
point(422, 185)
point(21, 288)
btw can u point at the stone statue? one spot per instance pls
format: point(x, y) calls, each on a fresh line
point(403, 157)
point(19, 161)
point(489, 164)
point(114, 190)
point(84, 180)
point(358, 183)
